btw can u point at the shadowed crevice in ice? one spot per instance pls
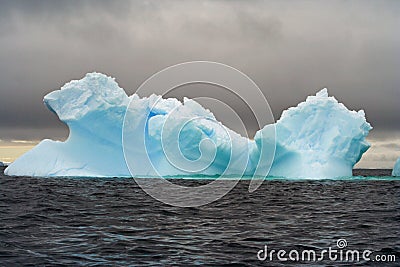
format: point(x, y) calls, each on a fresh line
point(320, 138)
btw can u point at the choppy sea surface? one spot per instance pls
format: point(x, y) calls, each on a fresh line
point(112, 222)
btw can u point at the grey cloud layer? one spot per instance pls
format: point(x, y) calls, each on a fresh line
point(290, 48)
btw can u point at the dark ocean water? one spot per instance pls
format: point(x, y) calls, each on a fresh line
point(112, 222)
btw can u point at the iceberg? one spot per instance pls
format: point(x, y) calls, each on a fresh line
point(320, 138)
point(1, 164)
point(396, 168)
point(93, 109)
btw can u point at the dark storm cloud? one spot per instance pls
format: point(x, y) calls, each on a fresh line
point(290, 48)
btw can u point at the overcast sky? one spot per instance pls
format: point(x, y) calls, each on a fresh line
point(291, 49)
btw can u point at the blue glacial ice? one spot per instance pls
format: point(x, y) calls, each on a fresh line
point(320, 138)
point(396, 168)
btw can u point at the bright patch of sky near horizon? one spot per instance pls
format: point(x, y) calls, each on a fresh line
point(11, 150)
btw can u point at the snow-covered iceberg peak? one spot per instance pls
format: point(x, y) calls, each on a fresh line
point(93, 106)
point(396, 168)
point(80, 97)
point(320, 138)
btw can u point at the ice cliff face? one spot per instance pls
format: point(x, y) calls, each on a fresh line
point(396, 168)
point(320, 138)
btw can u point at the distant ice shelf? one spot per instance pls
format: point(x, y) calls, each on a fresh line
point(319, 138)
